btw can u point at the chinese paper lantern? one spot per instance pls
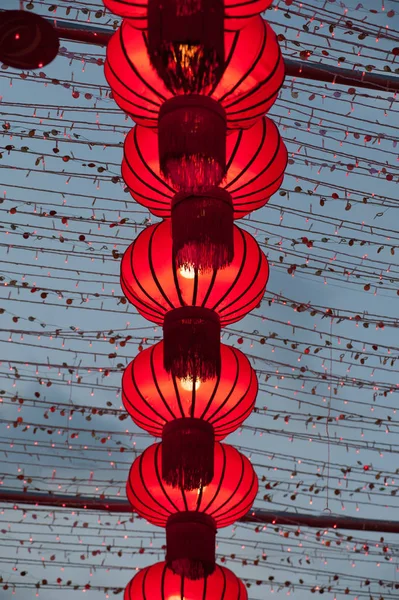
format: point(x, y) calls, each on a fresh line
point(253, 75)
point(191, 517)
point(256, 160)
point(202, 223)
point(155, 286)
point(186, 43)
point(158, 582)
point(236, 13)
point(188, 414)
point(192, 306)
point(27, 40)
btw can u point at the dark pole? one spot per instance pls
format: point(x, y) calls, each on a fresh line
point(87, 35)
point(260, 517)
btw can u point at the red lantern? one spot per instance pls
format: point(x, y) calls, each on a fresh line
point(192, 306)
point(226, 499)
point(188, 414)
point(191, 517)
point(156, 287)
point(249, 85)
point(256, 160)
point(27, 40)
point(236, 13)
point(158, 582)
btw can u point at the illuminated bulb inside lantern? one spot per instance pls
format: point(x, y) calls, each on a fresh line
point(187, 272)
point(188, 384)
point(185, 54)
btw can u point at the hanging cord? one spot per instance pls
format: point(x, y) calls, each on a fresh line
point(327, 507)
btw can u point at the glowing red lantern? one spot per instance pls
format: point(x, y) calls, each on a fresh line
point(156, 287)
point(158, 582)
point(256, 160)
point(236, 13)
point(192, 306)
point(202, 224)
point(252, 77)
point(189, 415)
point(153, 398)
point(27, 40)
point(191, 517)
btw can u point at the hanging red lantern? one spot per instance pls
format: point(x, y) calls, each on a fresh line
point(256, 159)
point(158, 582)
point(27, 40)
point(192, 306)
point(188, 415)
point(156, 287)
point(191, 517)
point(236, 13)
point(252, 77)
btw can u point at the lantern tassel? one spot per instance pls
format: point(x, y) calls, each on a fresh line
point(190, 544)
point(189, 67)
point(188, 453)
point(186, 43)
point(192, 142)
point(192, 343)
point(202, 230)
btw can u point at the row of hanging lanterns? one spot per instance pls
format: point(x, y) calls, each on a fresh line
point(197, 77)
